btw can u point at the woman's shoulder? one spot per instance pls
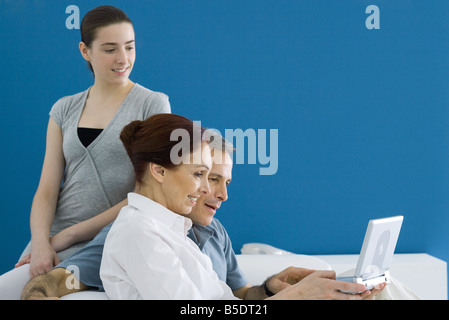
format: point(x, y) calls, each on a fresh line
point(152, 101)
point(141, 90)
point(132, 223)
point(73, 98)
point(63, 106)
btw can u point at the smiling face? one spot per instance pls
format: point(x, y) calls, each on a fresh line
point(220, 177)
point(186, 183)
point(112, 53)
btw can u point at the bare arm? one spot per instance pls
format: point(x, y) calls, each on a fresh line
point(43, 256)
point(319, 285)
point(51, 286)
point(300, 283)
point(273, 284)
point(86, 230)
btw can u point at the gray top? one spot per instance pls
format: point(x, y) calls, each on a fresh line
point(101, 175)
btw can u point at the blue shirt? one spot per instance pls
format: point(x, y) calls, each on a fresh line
point(212, 240)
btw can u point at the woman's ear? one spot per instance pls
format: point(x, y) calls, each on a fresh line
point(83, 50)
point(157, 171)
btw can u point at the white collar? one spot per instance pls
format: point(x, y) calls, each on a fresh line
point(154, 209)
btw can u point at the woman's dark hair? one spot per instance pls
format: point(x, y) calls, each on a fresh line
point(150, 140)
point(101, 16)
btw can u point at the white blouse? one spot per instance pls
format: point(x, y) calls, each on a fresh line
point(147, 255)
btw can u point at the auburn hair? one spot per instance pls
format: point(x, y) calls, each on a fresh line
point(150, 140)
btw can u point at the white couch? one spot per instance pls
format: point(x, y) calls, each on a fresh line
point(423, 274)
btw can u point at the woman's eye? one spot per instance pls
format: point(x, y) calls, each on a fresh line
point(109, 50)
point(213, 179)
point(199, 174)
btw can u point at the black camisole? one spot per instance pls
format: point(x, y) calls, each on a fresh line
point(88, 135)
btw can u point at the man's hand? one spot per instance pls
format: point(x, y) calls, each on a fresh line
point(321, 285)
point(286, 278)
point(375, 291)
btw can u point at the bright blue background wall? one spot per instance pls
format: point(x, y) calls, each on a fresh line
point(363, 115)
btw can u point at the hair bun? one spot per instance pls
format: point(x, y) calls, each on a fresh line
point(129, 134)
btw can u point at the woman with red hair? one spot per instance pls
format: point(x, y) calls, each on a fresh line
point(147, 254)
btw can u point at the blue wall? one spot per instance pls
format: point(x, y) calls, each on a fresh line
point(362, 115)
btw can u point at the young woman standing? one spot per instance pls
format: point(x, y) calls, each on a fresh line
point(86, 173)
